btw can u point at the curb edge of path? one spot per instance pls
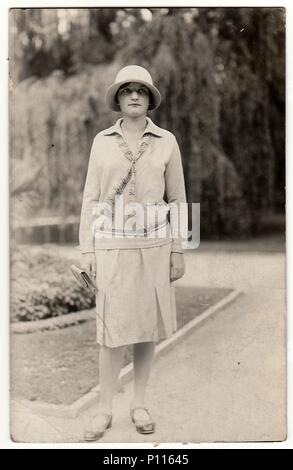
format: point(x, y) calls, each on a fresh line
point(53, 323)
point(91, 397)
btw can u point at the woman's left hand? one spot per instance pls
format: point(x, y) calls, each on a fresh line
point(177, 266)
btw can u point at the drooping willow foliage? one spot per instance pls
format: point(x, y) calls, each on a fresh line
point(222, 79)
point(221, 75)
point(53, 122)
point(253, 105)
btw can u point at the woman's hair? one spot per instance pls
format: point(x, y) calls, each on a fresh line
point(124, 86)
point(120, 88)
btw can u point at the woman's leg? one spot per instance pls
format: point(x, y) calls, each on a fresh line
point(110, 364)
point(143, 354)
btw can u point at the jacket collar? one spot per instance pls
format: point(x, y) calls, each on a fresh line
point(151, 128)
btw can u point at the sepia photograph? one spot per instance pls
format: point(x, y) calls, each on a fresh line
point(147, 225)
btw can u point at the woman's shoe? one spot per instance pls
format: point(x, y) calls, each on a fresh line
point(95, 429)
point(142, 426)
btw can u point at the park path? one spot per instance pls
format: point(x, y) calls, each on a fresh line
point(224, 382)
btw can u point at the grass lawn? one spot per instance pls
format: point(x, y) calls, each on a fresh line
point(60, 366)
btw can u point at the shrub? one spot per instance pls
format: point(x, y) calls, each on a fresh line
point(42, 286)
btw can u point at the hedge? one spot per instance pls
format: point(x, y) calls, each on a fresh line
point(42, 286)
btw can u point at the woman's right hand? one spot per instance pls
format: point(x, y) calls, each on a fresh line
point(88, 263)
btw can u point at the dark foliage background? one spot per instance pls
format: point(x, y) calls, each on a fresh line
point(221, 72)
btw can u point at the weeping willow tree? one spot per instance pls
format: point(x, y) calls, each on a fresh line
point(53, 121)
point(253, 102)
point(182, 60)
point(221, 72)
point(221, 75)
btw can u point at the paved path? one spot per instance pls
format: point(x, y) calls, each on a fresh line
point(224, 382)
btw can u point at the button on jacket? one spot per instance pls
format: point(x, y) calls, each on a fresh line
point(156, 170)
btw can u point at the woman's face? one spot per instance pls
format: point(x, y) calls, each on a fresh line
point(133, 99)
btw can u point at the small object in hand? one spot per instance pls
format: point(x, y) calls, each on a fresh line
point(83, 277)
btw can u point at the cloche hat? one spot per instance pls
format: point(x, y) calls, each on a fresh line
point(137, 74)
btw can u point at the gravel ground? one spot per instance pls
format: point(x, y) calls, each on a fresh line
point(62, 365)
point(226, 381)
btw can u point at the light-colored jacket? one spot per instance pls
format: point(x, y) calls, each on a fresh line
point(156, 170)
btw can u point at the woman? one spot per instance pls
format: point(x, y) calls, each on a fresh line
point(134, 162)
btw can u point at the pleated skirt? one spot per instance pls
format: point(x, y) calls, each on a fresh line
point(135, 300)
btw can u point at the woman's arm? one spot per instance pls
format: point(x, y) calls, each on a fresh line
point(175, 192)
point(91, 196)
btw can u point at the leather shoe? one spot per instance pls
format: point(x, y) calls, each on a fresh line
point(142, 426)
point(96, 429)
